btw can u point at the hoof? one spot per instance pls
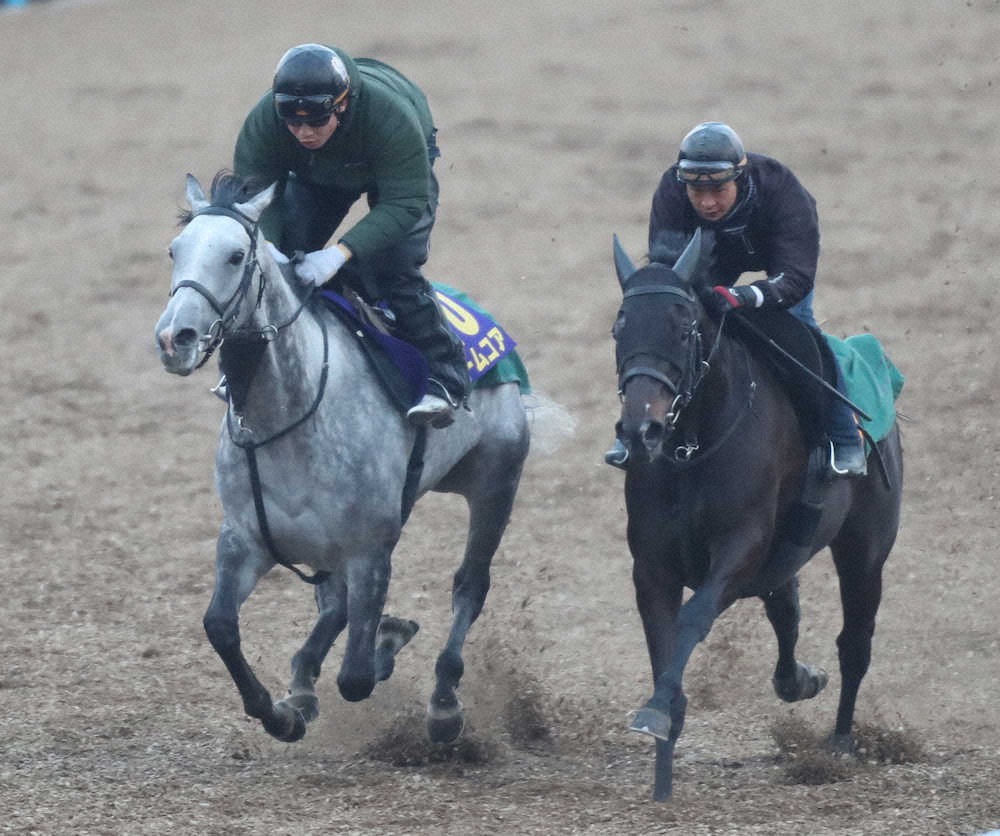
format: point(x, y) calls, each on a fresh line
point(288, 723)
point(393, 635)
point(841, 744)
point(653, 722)
point(445, 724)
point(306, 704)
point(807, 682)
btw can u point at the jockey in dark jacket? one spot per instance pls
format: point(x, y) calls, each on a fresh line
point(331, 129)
point(764, 220)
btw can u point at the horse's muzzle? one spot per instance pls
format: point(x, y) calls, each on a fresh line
point(178, 352)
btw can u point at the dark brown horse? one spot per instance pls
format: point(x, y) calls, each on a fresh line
point(725, 497)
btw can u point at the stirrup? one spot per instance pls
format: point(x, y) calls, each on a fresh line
point(852, 460)
point(221, 389)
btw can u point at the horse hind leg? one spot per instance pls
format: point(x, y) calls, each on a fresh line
point(793, 680)
point(392, 636)
point(236, 575)
point(860, 595)
point(487, 520)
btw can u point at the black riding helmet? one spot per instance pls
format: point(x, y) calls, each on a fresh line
point(309, 82)
point(710, 153)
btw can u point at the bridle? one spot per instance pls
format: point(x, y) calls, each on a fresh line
point(694, 370)
point(228, 311)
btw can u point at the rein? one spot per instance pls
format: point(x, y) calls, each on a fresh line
point(217, 333)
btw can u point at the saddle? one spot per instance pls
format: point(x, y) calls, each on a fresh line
point(399, 366)
point(490, 352)
point(806, 344)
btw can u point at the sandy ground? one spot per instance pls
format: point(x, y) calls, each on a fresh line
point(556, 121)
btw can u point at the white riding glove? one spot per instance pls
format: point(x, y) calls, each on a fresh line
point(320, 266)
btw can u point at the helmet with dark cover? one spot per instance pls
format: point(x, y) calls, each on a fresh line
point(309, 82)
point(710, 153)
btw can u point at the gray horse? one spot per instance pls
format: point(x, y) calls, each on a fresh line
point(313, 468)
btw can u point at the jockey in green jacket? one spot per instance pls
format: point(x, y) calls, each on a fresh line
point(330, 130)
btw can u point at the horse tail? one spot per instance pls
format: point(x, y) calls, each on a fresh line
point(551, 423)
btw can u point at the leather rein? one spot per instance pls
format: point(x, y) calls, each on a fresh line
point(218, 332)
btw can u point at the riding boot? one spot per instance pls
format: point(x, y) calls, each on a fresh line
point(849, 457)
point(419, 321)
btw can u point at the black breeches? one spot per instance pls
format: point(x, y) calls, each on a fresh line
point(311, 215)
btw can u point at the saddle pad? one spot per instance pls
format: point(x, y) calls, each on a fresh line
point(489, 350)
point(401, 368)
point(873, 382)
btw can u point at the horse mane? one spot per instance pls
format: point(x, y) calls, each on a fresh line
point(227, 190)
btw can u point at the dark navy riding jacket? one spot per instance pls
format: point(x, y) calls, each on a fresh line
point(772, 227)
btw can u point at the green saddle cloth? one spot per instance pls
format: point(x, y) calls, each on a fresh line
point(509, 368)
point(872, 381)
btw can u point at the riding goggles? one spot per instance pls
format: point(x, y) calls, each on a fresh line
point(314, 111)
point(699, 172)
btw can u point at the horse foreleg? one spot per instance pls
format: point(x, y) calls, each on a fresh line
point(792, 680)
point(367, 585)
point(663, 715)
point(236, 575)
point(331, 603)
point(487, 520)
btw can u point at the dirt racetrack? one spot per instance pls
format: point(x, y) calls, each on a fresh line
point(556, 120)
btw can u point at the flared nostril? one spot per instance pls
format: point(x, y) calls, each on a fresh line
point(651, 433)
point(185, 338)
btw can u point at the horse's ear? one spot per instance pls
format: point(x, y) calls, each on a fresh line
point(687, 262)
point(254, 207)
point(195, 196)
point(623, 264)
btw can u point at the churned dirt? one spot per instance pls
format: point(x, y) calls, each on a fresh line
point(556, 120)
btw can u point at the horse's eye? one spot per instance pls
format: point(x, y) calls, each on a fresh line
point(170, 253)
point(616, 329)
point(237, 257)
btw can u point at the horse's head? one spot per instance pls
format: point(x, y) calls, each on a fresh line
point(658, 342)
point(215, 268)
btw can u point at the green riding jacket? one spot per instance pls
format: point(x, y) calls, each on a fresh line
point(379, 148)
